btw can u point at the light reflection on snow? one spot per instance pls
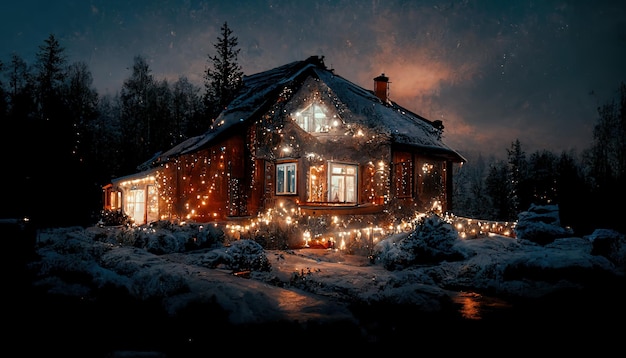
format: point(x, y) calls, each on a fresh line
point(474, 306)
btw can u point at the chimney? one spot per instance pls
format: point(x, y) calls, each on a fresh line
point(381, 87)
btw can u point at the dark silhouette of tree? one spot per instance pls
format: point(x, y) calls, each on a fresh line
point(542, 178)
point(498, 187)
point(224, 78)
point(21, 91)
point(606, 160)
point(162, 126)
point(49, 76)
point(608, 151)
point(107, 139)
point(20, 116)
point(6, 143)
point(136, 96)
point(574, 195)
point(53, 132)
point(82, 102)
point(470, 194)
point(519, 197)
point(187, 111)
point(4, 104)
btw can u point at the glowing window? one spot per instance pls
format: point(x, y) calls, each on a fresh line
point(313, 119)
point(136, 205)
point(286, 176)
point(342, 182)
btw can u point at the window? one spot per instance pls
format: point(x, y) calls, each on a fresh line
point(403, 175)
point(432, 182)
point(153, 204)
point(342, 180)
point(286, 178)
point(313, 119)
point(136, 205)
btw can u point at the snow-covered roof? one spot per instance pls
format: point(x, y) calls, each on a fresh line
point(140, 175)
point(261, 91)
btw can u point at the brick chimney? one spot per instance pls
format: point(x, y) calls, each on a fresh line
point(381, 87)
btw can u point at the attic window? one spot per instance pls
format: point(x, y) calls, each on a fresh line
point(314, 119)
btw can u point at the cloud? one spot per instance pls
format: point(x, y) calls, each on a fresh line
point(491, 71)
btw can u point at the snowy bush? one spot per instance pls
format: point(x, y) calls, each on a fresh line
point(162, 237)
point(610, 244)
point(540, 224)
point(392, 256)
point(241, 255)
point(157, 283)
point(432, 241)
point(113, 218)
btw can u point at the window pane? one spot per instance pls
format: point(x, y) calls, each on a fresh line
point(291, 183)
point(337, 188)
point(317, 184)
point(351, 189)
point(286, 178)
point(280, 179)
point(313, 119)
point(343, 183)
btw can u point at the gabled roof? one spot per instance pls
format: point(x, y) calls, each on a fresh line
point(261, 90)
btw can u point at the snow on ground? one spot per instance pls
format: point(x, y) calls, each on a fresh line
point(429, 271)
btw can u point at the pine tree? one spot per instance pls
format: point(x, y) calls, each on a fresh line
point(136, 98)
point(186, 109)
point(82, 101)
point(21, 91)
point(607, 161)
point(542, 177)
point(574, 195)
point(107, 138)
point(477, 204)
point(225, 78)
point(498, 188)
point(608, 153)
point(50, 67)
point(517, 175)
point(52, 131)
point(162, 124)
point(3, 96)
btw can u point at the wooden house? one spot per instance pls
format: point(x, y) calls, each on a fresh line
point(302, 137)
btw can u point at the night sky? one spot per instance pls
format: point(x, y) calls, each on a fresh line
point(492, 71)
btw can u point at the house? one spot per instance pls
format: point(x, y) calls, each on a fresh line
point(300, 137)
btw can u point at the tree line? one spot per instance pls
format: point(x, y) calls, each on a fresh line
point(62, 141)
point(589, 187)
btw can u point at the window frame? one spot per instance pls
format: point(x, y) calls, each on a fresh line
point(343, 199)
point(306, 119)
point(289, 187)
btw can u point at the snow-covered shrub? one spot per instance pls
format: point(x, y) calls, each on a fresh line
point(204, 236)
point(392, 256)
point(432, 241)
point(241, 255)
point(540, 224)
point(175, 237)
point(162, 242)
point(610, 244)
point(113, 218)
point(157, 283)
point(163, 237)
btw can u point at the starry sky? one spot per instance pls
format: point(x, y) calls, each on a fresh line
point(493, 71)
